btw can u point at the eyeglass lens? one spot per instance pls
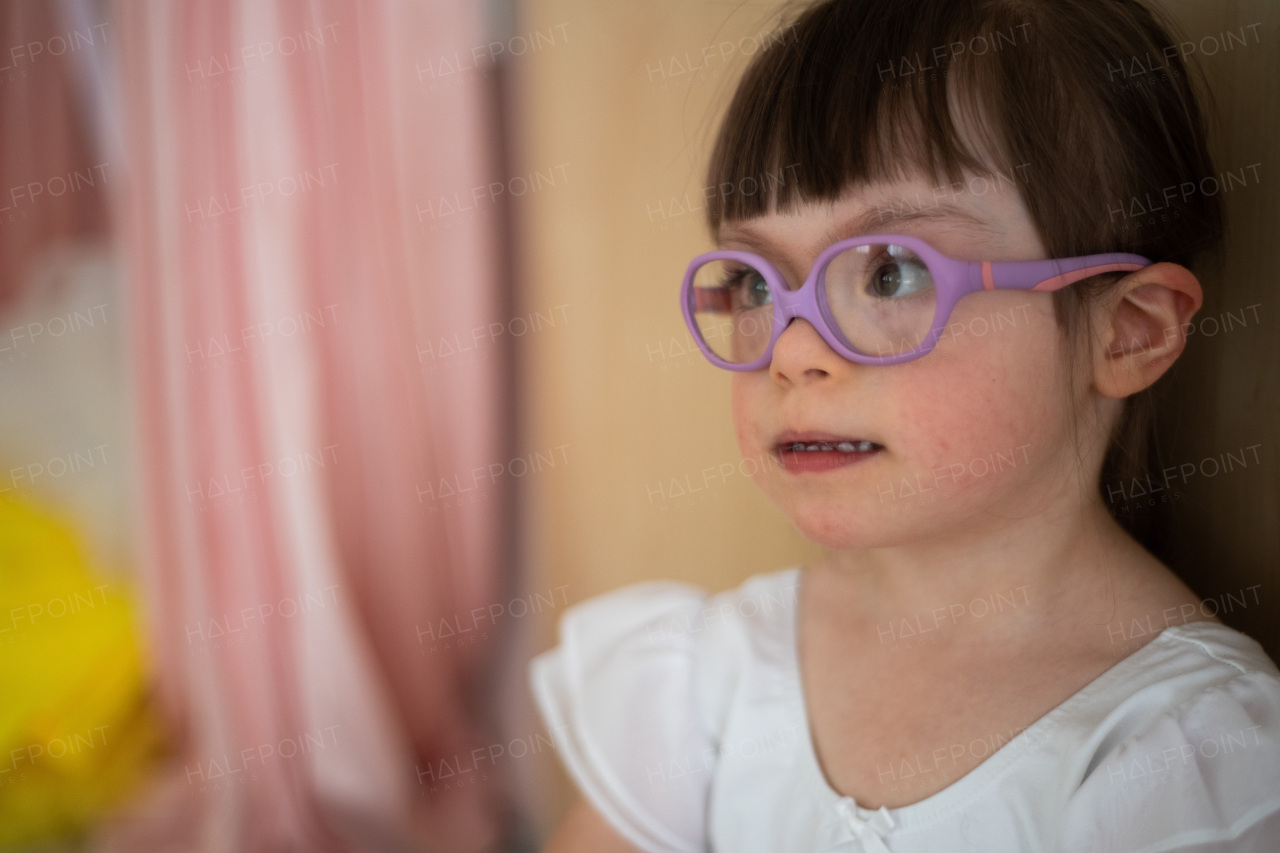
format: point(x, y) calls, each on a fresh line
point(880, 299)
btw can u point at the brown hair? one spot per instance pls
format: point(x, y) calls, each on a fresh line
point(1085, 104)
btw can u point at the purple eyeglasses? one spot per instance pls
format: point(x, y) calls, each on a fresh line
point(877, 299)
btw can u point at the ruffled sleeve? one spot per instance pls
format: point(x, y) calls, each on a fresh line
point(620, 697)
point(1203, 777)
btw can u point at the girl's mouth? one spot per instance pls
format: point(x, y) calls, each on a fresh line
point(824, 455)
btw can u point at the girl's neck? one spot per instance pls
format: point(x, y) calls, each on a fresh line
point(1060, 570)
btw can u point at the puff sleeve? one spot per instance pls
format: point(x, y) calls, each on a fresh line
point(1203, 777)
point(620, 697)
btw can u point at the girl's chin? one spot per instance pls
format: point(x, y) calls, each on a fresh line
point(847, 534)
point(887, 525)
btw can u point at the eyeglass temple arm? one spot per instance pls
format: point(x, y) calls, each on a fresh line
point(1048, 275)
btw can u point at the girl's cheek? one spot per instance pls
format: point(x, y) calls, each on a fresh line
point(975, 414)
point(738, 405)
point(749, 394)
point(745, 394)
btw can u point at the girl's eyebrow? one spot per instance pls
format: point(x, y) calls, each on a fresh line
point(881, 219)
point(885, 218)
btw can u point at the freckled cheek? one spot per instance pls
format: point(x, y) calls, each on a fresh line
point(745, 397)
point(751, 401)
point(952, 419)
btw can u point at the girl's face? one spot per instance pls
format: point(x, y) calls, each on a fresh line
point(972, 436)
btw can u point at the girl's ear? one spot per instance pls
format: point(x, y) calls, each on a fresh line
point(1141, 329)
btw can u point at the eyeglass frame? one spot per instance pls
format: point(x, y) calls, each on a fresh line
point(952, 280)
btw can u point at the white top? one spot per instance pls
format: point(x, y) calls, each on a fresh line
point(682, 719)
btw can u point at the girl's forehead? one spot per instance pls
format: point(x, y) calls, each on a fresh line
point(979, 208)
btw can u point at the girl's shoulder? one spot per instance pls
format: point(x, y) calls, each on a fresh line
point(1191, 753)
point(635, 693)
point(678, 616)
point(664, 627)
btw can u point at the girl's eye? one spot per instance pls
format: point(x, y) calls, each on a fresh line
point(750, 288)
point(899, 278)
point(757, 290)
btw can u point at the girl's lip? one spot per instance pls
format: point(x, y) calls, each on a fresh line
point(816, 461)
point(790, 437)
point(797, 461)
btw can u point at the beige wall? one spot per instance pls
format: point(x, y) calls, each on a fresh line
point(631, 413)
point(616, 381)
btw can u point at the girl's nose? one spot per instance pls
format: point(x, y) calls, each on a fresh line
point(800, 355)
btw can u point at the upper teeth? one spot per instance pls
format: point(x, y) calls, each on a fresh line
point(843, 446)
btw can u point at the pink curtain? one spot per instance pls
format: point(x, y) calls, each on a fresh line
point(52, 184)
point(290, 269)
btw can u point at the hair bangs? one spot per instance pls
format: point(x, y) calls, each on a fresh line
point(846, 102)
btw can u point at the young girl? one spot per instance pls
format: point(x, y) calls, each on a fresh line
point(939, 330)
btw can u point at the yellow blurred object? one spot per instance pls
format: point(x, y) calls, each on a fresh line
point(76, 730)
